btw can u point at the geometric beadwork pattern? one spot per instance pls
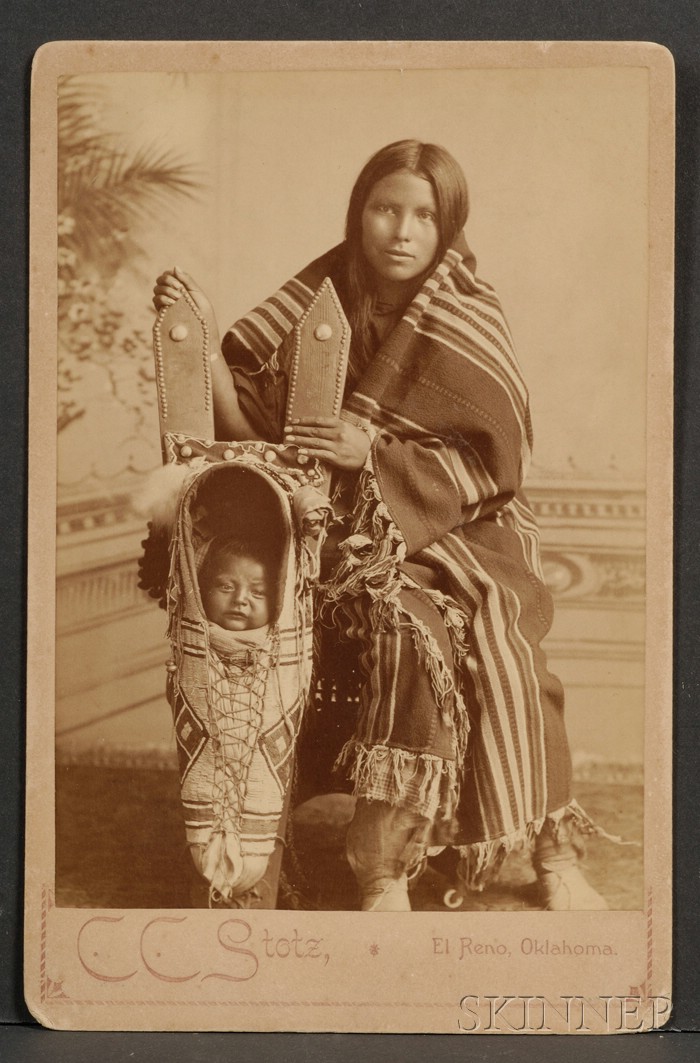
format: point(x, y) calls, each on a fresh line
point(278, 751)
point(190, 735)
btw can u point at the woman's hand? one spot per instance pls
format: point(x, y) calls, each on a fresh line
point(169, 288)
point(329, 439)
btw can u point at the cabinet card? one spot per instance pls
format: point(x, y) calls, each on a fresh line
point(236, 161)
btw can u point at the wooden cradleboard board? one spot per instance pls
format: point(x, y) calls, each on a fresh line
point(183, 370)
point(320, 358)
point(320, 346)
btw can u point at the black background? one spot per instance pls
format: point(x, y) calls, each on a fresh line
point(27, 24)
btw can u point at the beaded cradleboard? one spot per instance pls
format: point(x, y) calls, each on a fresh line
point(237, 708)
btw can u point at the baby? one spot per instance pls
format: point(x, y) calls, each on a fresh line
point(235, 585)
point(238, 593)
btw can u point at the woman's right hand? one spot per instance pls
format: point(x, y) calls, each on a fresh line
point(170, 286)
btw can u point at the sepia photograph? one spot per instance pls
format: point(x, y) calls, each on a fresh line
point(356, 479)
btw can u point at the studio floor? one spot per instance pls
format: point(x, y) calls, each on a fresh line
point(120, 844)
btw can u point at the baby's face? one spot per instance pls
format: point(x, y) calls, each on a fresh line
point(237, 597)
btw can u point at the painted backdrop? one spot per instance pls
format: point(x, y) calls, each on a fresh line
point(556, 162)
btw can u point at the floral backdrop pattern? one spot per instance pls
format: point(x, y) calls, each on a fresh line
point(107, 189)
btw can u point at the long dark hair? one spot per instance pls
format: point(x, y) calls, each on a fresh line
point(449, 186)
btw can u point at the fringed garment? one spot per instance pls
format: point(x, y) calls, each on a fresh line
point(439, 580)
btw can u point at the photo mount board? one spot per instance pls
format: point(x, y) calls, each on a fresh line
point(359, 972)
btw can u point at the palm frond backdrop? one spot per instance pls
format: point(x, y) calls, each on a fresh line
point(105, 188)
point(109, 192)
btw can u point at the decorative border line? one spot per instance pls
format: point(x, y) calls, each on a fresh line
point(48, 988)
point(650, 942)
point(42, 952)
point(644, 990)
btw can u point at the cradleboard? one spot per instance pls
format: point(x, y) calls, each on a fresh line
point(238, 703)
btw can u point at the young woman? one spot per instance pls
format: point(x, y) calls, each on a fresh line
point(460, 735)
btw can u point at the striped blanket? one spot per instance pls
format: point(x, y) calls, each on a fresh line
point(439, 576)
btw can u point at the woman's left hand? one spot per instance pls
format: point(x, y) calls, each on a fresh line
point(329, 439)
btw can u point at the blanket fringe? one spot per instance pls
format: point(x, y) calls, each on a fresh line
point(442, 682)
point(573, 823)
point(426, 783)
point(480, 862)
point(370, 566)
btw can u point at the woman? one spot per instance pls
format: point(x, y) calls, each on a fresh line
point(460, 736)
